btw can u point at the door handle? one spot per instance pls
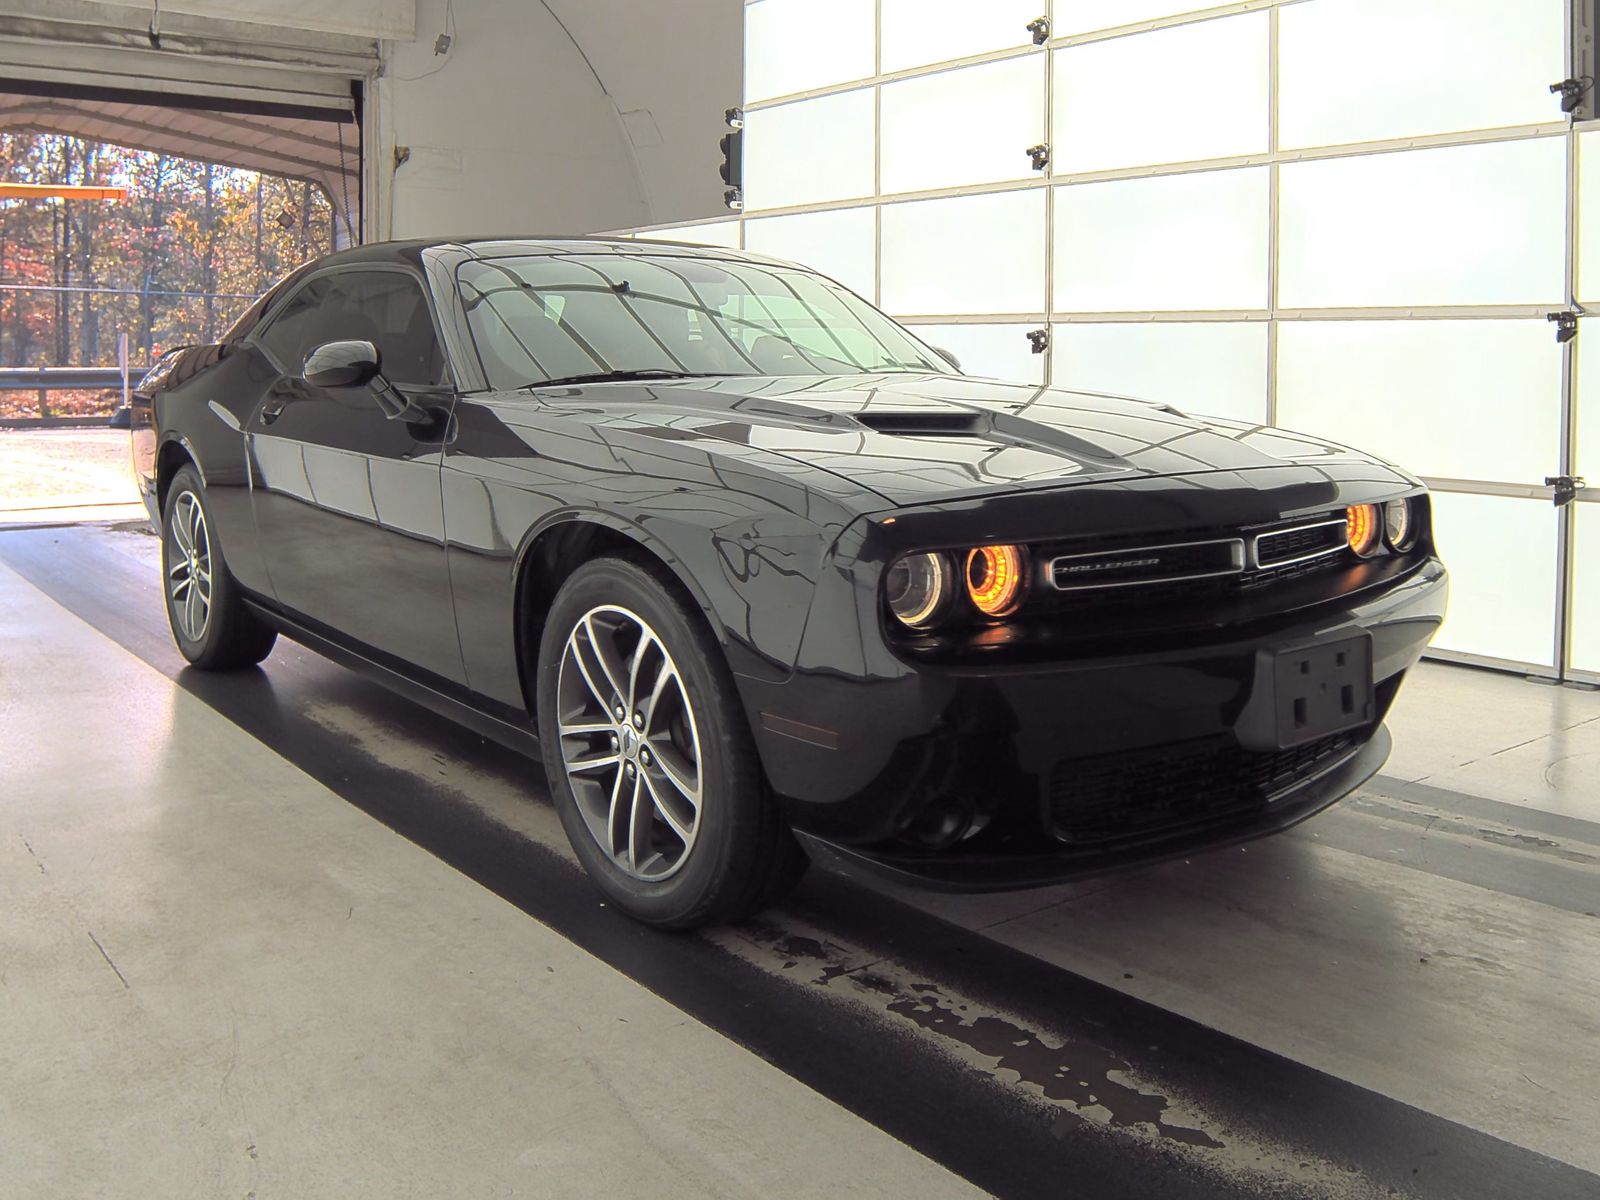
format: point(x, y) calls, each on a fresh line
point(271, 410)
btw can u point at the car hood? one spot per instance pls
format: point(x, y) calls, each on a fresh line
point(922, 438)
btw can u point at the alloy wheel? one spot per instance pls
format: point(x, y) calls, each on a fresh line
point(189, 567)
point(630, 743)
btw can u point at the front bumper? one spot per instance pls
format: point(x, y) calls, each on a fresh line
point(945, 776)
point(983, 872)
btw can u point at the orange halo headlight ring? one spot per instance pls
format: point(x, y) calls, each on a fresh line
point(1364, 528)
point(997, 579)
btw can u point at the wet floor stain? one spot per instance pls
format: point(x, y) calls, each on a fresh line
point(1082, 1075)
point(1078, 1086)
point(1085, 1077)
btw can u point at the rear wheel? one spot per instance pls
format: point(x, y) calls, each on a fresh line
point(648, 756)
point(210, 623)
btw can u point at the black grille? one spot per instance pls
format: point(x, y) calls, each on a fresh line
point(1280, 554)
point(1284, 547)
point(1163, 596)
point(1173, 788)
point(1147, 564)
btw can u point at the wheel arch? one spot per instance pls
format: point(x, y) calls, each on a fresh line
point(175, 454)
point(556, 548)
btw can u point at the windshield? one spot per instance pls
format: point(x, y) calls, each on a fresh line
point(542, 318)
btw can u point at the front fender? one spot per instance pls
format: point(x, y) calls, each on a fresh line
point(200, 407)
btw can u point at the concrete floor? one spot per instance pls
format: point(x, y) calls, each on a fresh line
point(219, 981)
point(222, 976)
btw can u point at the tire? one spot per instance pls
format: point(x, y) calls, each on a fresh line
point(209, 621)
point(667, 861)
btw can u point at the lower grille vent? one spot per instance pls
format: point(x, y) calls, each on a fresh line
point(1175, 788)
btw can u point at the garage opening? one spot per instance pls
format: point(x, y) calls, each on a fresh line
point(153, 226)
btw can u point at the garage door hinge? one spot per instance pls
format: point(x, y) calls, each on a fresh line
point(1040, 339)
point(1040, 28)
point(1566, 488)
point(1572, 91)
point(1566, 326)
point(1040, 155)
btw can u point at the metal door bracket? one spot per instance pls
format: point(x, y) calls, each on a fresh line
point(1040, 338)
point(1566, 324)
point(1566, 488)
point(1040, 155)
point(1040, 28)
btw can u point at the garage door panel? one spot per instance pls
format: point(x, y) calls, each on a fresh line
point(1586, 589)
point(1173, 242)
point(795, 45)
point(916, 32)
point(1502, 556)
point(992, 351)
point(1449, 399)
point(1368, 70)
point(1103, 119)
point(967, 126)
point(1089, 16)
point(1451, 226)
point(971, 254)
point(840, 244)
point(1208, 368)
point(809, 151)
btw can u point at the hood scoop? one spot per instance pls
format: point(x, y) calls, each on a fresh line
point(924, 423)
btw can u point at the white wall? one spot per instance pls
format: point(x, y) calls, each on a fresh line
point(513, 131)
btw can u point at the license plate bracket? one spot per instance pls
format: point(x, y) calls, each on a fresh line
point(1322, 689)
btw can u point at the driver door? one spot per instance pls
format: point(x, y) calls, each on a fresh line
point(347, 501)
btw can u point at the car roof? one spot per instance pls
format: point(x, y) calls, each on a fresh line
point(410, 250)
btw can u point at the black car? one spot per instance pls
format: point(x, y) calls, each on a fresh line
point(768, 575)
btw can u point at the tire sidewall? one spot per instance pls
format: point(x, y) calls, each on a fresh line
point(187, 479)
point(725, 767)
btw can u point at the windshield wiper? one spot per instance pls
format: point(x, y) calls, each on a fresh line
point(625, 376)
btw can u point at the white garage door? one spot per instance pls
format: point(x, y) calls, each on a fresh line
point(1351, 217)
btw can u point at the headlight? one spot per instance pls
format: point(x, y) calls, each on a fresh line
point(1399, 528)
point(997, 579)
point(918, 587)
point(1363, 526)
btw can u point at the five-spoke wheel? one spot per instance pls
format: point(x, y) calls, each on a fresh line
point(210, 621)
point(189, 566)
point(648, 755)
point(629, 742)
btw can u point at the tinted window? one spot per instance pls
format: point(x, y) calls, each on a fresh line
point(386, 308)
point(251, 316)
point(543, 318)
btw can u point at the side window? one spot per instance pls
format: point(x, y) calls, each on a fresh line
point(385, 308)
point(297, 328)
point(389, 310)
point(251, 317)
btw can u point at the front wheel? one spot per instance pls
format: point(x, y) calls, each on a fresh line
point(648, 756)
point(210, 623)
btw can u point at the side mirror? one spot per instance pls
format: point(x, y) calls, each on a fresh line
point(341, 365)
point(947, 356)
point(355, 364)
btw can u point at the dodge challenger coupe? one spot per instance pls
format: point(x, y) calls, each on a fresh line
point(759, 575)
